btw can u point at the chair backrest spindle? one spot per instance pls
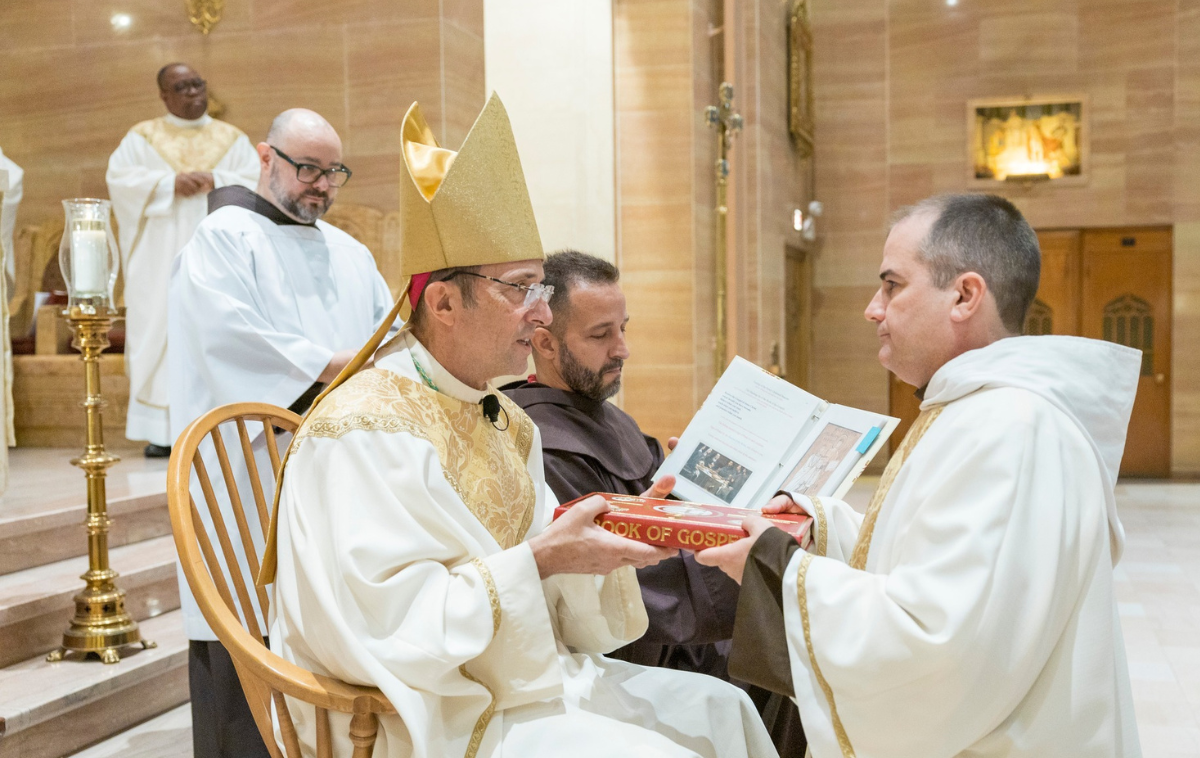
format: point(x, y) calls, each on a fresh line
point(260, 500)
point(239, 515)
point(265, 677)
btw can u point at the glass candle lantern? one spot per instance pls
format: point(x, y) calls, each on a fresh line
point(88, 254)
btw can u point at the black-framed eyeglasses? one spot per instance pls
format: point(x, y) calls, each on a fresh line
point(309, 174)
point(533, 292)
point(189, 84)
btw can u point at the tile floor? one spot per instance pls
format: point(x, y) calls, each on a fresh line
point(42, 479)
point(1158, 591)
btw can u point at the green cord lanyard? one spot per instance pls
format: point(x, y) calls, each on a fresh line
point(425, 377)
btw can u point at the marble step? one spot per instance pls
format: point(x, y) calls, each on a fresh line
point(48, 710)
point(36, 604)
point(165, 736)
point(55, 531)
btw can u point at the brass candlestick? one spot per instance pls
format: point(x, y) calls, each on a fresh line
point(100, 625)
point(727, 123)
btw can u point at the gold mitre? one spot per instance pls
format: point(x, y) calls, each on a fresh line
point(469, 208)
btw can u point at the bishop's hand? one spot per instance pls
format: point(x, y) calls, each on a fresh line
point(576, 544)
point(731, 558)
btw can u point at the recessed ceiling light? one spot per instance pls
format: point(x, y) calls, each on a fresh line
point(121, 21)
point(952, 3)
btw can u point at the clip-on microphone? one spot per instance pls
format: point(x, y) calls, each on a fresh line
point(492, 410)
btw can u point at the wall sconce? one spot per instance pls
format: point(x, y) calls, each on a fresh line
point(808, 225)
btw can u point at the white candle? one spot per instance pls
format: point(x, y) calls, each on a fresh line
point(89, 261)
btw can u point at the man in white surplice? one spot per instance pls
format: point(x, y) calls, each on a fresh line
point(8, 219)
point(970, 612)
point(158, 179)
point(413, 535)
point(267, 304)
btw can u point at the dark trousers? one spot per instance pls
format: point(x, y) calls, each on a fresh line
point(222, 726)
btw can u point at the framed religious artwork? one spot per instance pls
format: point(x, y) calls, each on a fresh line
point(1028, 140)
point(800, 94)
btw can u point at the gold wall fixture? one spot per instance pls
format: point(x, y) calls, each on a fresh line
point(205, 14)
point(800, 94)
point(727, 123)
point(216, 106)
point(775, 367)
point(100, 625)
point(1028, 140)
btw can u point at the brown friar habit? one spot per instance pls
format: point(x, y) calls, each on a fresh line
point(593, 446)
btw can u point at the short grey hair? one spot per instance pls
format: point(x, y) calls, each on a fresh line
point(985, 234)
point(466, 285)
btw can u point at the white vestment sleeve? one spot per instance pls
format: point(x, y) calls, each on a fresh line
point(239, 166)
point(835, 526)
point(224, 319)
point(140, 183)
point(591, 614)
point(1000, 542)
point(383, 587)
point(8, 219)
point(597, 614)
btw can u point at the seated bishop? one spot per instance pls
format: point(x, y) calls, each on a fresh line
point(412, 547)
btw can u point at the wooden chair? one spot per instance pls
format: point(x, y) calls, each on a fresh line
point(265, 677)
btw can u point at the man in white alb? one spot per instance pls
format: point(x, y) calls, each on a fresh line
point(412, 534)
point(158, 179)
point(10, 191)
point(267, 303)
point(8, 219)
point(970, 611)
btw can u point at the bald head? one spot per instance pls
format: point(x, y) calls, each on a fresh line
point(301, 123)
point(299, 136)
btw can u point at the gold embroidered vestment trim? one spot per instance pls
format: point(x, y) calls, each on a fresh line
point(493, 595)
point(822, 525)
point(486, 468)
point(862, 547)
point(189, 149)
point(859, 558)
point(802, 601)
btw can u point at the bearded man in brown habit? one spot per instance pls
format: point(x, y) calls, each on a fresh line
point(590, 445)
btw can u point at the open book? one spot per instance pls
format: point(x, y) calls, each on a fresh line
point(757, 434)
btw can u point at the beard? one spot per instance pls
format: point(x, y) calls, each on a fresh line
point(586, 382)
point(291, 202)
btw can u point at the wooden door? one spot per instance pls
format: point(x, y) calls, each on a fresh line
point(904, 405)
point(1126, 298)
point(1055, 308)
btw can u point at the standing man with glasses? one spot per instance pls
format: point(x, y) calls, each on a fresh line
point(267, 303)
point(158, 180)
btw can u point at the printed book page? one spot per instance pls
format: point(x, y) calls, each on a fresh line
point(757, 434)
point(737, 440)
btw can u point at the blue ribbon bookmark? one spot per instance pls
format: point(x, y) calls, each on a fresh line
point(867, 439)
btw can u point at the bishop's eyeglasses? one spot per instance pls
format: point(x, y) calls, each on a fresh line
point(309, 174)
point(533, 292)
